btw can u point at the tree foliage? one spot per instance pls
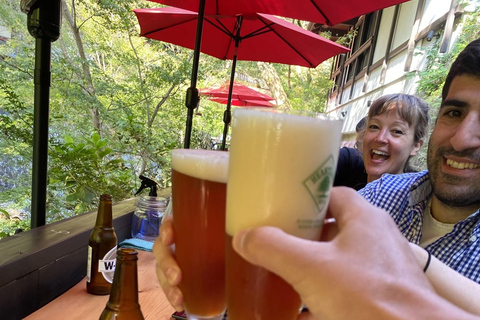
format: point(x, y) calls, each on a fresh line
point(117, 106)
point(432, 77)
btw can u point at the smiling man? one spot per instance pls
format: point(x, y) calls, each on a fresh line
point(439, 208)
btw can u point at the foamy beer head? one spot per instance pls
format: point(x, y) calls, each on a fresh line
point(281, 171)
point(201, 164)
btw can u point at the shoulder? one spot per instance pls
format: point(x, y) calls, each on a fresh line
point(350, 155)
point(350, 152)
point(350, 169)
point(393, 187)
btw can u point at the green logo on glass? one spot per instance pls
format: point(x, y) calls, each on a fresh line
point(320, 182)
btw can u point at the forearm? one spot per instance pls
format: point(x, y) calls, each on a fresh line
point(415, 304)
point(399, 300)
point(449, 284)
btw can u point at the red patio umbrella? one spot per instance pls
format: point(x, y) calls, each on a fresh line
point(240, 92)
point(242, 102)
point(323, 11)
point(255, 37)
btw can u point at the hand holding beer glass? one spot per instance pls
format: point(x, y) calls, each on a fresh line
point(199, 180)
point(281, 170)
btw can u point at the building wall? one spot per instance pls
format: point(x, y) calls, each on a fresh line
point(406, 18)
point(395, 79)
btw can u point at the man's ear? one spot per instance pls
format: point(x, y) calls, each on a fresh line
point(416, 147)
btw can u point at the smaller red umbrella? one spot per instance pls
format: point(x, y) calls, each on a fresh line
point(243, 102)
point(239, 92)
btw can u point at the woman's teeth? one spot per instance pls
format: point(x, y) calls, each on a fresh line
point(380, 153)
point(462, 165)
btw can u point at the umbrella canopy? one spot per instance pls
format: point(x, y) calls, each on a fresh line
point(240, 92)
point(258, 37)
point(254, 37)
point(242, 102)
point(321, 11)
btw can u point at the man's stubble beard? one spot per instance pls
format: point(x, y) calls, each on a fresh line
point(448, 188)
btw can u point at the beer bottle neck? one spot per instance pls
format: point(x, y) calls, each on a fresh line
point(124, 294)
point(104, 215)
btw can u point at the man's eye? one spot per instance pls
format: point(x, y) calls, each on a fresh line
point(453, 113)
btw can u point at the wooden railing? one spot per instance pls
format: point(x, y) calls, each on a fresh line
point(38, 265)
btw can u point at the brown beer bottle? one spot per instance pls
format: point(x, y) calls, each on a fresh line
point(123, 303)
point(102, 247)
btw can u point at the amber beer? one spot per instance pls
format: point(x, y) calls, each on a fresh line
point(199, 180)
point(281, 171)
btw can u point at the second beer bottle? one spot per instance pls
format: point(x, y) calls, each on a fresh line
point(102, 247)
point(123, 303)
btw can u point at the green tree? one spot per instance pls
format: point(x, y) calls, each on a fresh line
point(117, 106)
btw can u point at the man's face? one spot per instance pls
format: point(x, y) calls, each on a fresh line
point(454, 148)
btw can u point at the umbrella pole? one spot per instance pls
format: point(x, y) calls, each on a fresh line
point(192, 99)
point(43, 23)
point(227, 115)
point(40, 131)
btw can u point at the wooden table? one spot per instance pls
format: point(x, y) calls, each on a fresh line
point(76, 303)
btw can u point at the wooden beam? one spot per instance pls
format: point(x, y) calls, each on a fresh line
point(363, 21)
point(364, 47)
point(342, 78)
point(371, 53)
point(412, 41)
point(389, 44)
point(447, 34)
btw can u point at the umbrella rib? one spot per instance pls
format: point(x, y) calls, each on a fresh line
point(146, 34)
point(288, 43)
point(258, 32)
point(320, 11)
point(223, 28)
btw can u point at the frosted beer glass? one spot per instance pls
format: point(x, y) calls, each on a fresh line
point(199, 180)
point(281, 171)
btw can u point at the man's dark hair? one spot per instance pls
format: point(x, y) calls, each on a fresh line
point(467, 63)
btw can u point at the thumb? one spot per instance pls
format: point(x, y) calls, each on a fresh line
point(274, 250)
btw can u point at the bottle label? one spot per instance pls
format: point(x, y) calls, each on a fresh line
point(89, 264)
point(107, 265)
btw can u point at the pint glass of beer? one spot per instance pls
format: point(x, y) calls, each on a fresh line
point(281, 171)
point(199, 182)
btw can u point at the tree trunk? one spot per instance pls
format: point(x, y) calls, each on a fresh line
point(159, 105)
point(272, 79)
point(289, 77)
point(87, 76)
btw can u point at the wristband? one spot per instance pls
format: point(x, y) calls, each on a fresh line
point(429, 258)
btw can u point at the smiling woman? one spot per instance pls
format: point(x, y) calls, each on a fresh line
point(395, 131)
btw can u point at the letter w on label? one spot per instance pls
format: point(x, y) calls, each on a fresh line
point(106, 265)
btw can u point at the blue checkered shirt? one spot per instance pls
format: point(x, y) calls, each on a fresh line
point(405, 197)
